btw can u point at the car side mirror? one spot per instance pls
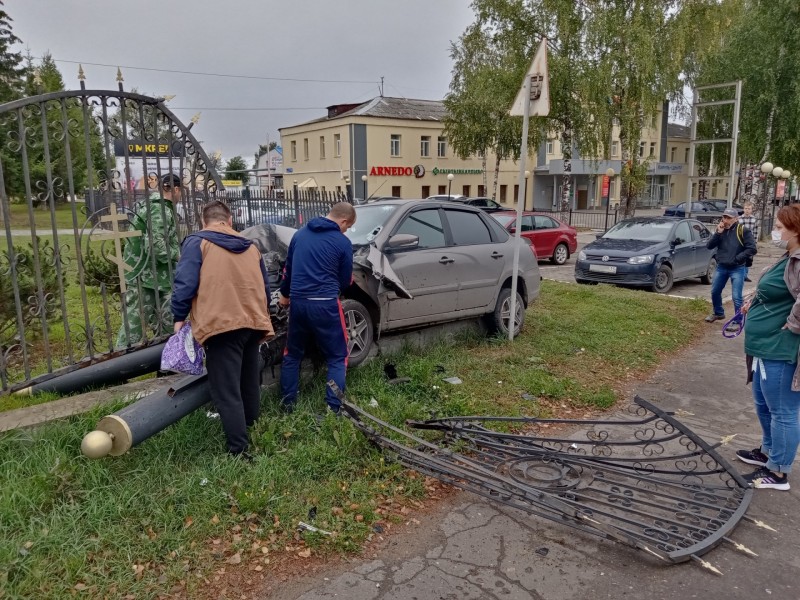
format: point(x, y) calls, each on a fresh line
point(675, 242)
point(512, 230)
point(402, 241)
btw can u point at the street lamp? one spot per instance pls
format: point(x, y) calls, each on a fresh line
point(347, 187)
point(364, 180)
point(785, 176)
point(450, 178)
point(525, 195)
point(610, 173)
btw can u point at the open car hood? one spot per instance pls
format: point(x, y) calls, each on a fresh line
point(273, 243)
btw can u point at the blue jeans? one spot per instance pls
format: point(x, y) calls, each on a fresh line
point(721, 276)
point(777, 407)
point(323, 322)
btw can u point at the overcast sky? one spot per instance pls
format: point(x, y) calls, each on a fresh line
point(353, 42)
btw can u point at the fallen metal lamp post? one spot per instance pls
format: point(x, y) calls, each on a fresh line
point(107, 372)
point(119, 432)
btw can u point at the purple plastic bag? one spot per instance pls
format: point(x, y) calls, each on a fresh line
point(182, 353)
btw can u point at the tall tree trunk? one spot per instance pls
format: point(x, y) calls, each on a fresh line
point(483, 173)
point(496, 177)
point(566, 177)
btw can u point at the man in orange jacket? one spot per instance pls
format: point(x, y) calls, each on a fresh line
point(222, 281)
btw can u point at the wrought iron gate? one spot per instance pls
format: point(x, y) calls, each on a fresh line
point(89, 233)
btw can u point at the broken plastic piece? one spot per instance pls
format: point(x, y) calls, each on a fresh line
point(453, 380)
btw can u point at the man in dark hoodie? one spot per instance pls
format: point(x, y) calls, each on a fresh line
point(735, 250)
point(222, 281)
point(319, 267)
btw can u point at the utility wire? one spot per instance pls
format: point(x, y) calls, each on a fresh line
point(260, 77)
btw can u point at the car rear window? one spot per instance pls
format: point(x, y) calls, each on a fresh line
point(467, 228)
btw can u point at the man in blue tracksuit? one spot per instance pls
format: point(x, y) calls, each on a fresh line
point(319, 266)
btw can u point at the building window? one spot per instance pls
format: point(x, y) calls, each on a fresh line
point(305, 148)
point(394, 146)
point(322, 146)
point(293, 148)
point(614, 148)
point(337, 144)
point(686, 156)
point(550, 146)
point(652, 148)
point(338, 189)
point(503, 189)
point(481, 154)
point(426, 191)
point(425, 146)
point(641, 149)
point(442, 189)
point(672, 154)
point(516, 192)
point(441, 147)
point(465, 191)
point(481, 191)
point(396, 191)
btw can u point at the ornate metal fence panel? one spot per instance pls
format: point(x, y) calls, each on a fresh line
point(642, 479)
point(90, 226)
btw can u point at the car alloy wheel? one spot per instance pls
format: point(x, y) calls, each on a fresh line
point(499, 318)
point(358, 323)
point(560, 254)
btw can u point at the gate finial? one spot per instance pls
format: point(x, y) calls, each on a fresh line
point(37, 77)
point(119, 75)
point(81, 74)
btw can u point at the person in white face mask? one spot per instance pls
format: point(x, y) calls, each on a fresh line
point(772, 344)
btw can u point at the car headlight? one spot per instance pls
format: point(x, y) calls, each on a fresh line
point(581, 255)
point(645, 259)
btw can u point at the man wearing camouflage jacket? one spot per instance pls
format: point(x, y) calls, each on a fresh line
point(149, 281)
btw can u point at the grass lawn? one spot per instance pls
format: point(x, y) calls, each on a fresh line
point(175, 509)
point(20, 219)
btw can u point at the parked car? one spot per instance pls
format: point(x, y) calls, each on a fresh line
point(454, 197)
point(550, 237)
point(721, 204)
point(702, 211)
point(652, 252)
point(481, 202)
point(419, 262)
point(254, 211)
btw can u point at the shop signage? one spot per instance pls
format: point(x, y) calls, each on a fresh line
point(391, 171)
point(665, 168)
point(438, 171)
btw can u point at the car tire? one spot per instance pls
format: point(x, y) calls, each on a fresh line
point(560, 254)
point(662, 282)
point(498, 317)
point(709, 274)
point(358, 323)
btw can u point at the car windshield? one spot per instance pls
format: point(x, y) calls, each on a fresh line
point(638, 230)
point(370, 219)
point(504, 220)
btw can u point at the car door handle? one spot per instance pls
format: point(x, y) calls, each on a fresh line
point(444, 260)
point(497, 255)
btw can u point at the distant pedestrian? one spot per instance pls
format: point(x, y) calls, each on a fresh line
point(222, 281)
point(319, 267)
point(735, 245)
point(772, 343)
point(151, 257)
point(749, 221)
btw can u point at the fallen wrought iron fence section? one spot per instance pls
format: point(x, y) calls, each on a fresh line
point(646, 480)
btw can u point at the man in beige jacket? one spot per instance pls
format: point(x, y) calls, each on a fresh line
point(221, 280)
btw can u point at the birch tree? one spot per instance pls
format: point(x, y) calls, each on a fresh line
point(612, 62)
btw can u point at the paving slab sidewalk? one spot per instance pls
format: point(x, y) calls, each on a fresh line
point(470, 548)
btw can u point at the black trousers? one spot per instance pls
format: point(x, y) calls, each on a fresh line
point(232, 363)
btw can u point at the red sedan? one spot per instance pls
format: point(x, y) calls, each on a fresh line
point(550, 237)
